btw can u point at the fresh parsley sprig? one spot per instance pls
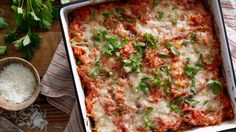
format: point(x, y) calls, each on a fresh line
point(29, 16)
point(3, 23)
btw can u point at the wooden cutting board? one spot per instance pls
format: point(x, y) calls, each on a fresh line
point(50, 39)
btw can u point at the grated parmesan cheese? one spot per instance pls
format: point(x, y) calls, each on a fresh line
point(16, 83)
point(31, 117)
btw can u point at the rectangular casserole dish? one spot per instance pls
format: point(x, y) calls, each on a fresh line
point(212, 5)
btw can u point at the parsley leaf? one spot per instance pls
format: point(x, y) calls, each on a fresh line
point(199, 61)
point(106, 14)
point(174, 7)
point(215, 86)
point(193, 87)
point(143, 85)
point(157, 81)
point(19, 43)
point(147, 121)
point(27, 43)
point(97, 68)
point(150, 40)
point(184, 43)
point(134, 63)
point(191, 101)
point(10, 37)
point(118, 11)
point(190, 71)
point(179, 100)
point(155, 2)
point(205, 102)
point(160, 16)
point(172, 48)
point(110, 43)
point(173, 21)
point(3, 50)
point(193, 37)
point(29, 15)
point(166, 89)
point(3, 23)
point(138, 44)
point(46, 17)
point(130, 20)
point(175, 108)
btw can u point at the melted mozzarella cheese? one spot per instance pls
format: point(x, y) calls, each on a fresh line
point(135, 78)
point(91, 27)
point(207, 100)
point(162, 111)
point(105, 124)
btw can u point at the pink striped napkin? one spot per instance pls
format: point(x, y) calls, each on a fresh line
point(57, 83)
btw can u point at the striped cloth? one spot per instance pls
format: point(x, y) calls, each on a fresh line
point(57, 83)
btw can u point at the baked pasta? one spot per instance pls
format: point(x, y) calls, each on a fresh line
point(149, 65)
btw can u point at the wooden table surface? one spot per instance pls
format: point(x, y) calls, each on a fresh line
point(57, 119)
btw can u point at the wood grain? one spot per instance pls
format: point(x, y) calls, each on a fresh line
point(50, 39)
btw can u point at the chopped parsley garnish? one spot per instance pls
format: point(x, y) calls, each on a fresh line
point(193, 37)
point(138, 44)
point(199, 61)
point(109, 43)
point(175, 108)
point(160, 16)
point(191, 101)
point(172, 48)
point(130, 20)
point(179, 100)
point(93, 73)
point(166, 69)
point(215, 86)
point(191, 71)
point(184, 43)
point(106, 14)
point(208, 59)
point(118, 11)
point(147, 121)
point(166, 89)
point(155, 2)
point(150, 40)
point(124, 41)
point(133, 64)
point(78, 62)
point(97, 68)
point(174, 7)
point(193, 87)
point(205, 102)
point(143, 85)
point(157, 81)
point(73, 32)
point(163, 54)
point(173, 21)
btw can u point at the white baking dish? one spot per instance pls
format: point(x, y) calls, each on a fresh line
point(212, 5)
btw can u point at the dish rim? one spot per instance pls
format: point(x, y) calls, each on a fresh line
point(94, 2)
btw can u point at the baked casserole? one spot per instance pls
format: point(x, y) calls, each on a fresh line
point(149, 65)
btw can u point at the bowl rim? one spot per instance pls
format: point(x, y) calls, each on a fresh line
point(7, 105)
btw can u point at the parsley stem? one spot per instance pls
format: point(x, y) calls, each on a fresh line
point(22, 3)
